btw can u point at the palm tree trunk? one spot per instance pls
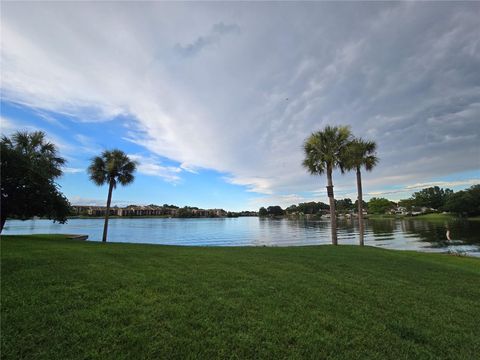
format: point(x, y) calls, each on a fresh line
point(109, 200)
point(331, 199)
point(360, 205)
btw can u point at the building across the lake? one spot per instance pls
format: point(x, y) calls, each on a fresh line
point(149, 210)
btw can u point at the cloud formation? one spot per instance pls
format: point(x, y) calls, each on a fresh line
point(152, 166)
point(237, 87)
point(71, 170)
point(218, 31)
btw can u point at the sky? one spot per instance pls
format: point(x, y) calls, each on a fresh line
point(214, 100)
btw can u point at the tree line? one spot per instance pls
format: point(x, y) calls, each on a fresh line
point(433, 199)
point(311, 208)
point(463, 203)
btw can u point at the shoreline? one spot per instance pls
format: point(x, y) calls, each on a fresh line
point(425, 217)
point(84, 238)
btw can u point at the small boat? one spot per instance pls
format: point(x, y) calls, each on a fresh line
point(76, 237)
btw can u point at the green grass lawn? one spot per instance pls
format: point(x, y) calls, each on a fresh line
point(426, 217)
point(436, 217)
point(64, 299)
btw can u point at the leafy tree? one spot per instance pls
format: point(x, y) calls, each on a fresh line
point(355, 205)
point(465, 202)
point(262, 212)
point(379, 205)
point(344, 205)
point(291, 209)
point(407, 204)
point(184, 212)
point(275, 211)
point(29, 167)
point(360, 154)
point(311, 207)
point(112, 167)
point(323, 153)
point(432, 197)
point(170, 206)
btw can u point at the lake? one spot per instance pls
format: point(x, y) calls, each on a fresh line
point(400, 234)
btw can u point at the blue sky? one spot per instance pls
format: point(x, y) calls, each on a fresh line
point(159, 180)
point(214, 100)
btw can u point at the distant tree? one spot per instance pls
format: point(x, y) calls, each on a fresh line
point(360, 154)
point(344, 205)
point(355, 205)
point(112, 167)
point(170, 206)
point(312, 207)
point(379, 205)
point(262, 212)
point(184, 212)
point(291, 209)
point(323, 153)
point(309, 208)
point(465, 202)
point(275, 211)
point(29, 167)
point(432, 197)
point(408, 204)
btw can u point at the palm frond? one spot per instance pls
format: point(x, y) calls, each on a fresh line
point(97, 171)
point(112, 166)
point(324, 149)
point(359, 153)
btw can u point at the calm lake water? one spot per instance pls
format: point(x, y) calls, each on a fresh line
point(401, 234)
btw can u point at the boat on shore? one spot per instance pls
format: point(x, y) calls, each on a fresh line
point(76, 237)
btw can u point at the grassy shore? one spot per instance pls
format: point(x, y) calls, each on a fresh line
point(66, 299)
point(444, 217)
point(436, 217)
point(426, 217)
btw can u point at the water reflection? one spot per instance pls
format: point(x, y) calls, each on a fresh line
point(382, 229)
point(407, 234)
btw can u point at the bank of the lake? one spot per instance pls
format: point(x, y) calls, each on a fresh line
point(70, 299)
point(446, 217)
point(426, 217)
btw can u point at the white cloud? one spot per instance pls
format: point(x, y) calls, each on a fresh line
point(152, 166)
point(404, 74)
point(87, 145)
point(79, 200)
point(189, 168)
point(443, 184)
point(6, 126)
point(70, 170)
point(407, 190)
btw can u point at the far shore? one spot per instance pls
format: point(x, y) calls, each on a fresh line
point(426, 217)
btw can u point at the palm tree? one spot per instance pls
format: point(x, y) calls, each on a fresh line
point(30, 164)
point(111, 168)
point(323, 153)
point(35, 147)
point(360, 153)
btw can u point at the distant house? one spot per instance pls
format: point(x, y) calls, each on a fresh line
point(422, 210)
point(149, 210)
point(398, 210)
point(91, 210)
